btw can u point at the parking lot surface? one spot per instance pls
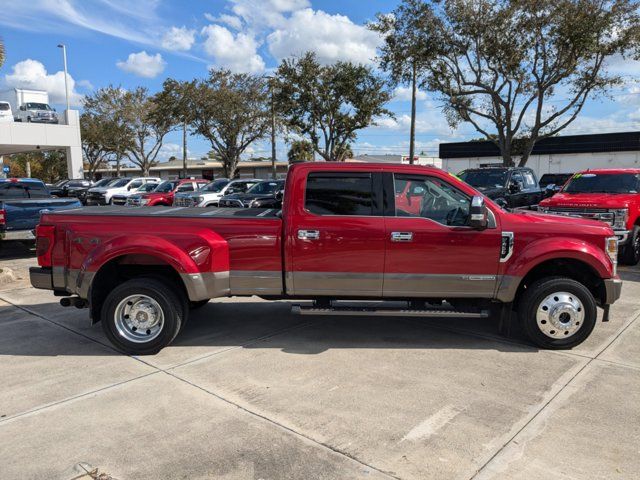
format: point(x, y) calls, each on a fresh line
point(250, 391)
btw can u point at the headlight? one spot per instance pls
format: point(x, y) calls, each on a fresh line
point(198, 199)
point(620, 216)
point(144, 201)
point(611, 247)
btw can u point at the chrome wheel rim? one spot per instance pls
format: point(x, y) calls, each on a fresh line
point(560, 315)
point(139, 318)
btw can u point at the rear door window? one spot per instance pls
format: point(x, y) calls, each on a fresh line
point(339, 194)
point(12, 190)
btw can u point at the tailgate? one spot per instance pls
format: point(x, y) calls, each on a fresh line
point(25, 214)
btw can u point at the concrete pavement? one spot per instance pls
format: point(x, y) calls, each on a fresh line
point(250, 391)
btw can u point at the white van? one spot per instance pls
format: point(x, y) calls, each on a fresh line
point(6, 115)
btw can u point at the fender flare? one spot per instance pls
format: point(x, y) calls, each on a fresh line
point(540, 251)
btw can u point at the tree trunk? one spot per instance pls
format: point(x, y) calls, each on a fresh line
point(412, 134)
point(526, 153)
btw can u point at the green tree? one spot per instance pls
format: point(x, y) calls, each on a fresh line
point(300, 151)
point(100, 139)
point(344, 153)
point(173, 102)
point(47, 166)
point(232, 111)
point(522, 70)
point(329, 104)
point(132, 114)
point(407, 51)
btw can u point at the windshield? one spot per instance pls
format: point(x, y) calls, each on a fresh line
point(603, 183)
point(166, 187)
point(4, 106)
point(103, 182)
point(120, 183)
point(554, 179)
point(38, 106)
point(60, 183)
point(264, 188)
point(148, 187)
point(215, 186)
point(484, 178)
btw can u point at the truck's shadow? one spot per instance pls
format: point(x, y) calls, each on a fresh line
point(255, 325)
point(259, 325)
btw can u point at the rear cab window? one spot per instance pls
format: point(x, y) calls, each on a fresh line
point(343, 193)
point(23, 190)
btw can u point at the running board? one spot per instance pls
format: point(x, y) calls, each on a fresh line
point(388, 312)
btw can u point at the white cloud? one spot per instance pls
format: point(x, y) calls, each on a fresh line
point(261, 14)
point(31, 74)
point(143, 65)
point(332, 37)
point(180, 39)
point(237, 52)
point(229, 20)
point(404, 94)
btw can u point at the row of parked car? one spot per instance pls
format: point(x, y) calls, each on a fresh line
point(188, 192)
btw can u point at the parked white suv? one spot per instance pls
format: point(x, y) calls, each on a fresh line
point(6, 115)
point(210, 194)
point(103, 195)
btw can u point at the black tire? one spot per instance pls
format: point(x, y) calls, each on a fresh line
point(630, 254)
point(534, 296)
point(198, 304)
point(167, 298)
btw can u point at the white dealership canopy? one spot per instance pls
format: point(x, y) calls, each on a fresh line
point(20, 137)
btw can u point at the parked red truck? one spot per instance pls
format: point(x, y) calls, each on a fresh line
point(344, 233)
point(608, 195)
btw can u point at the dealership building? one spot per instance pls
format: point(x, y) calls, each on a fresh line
point(565, 154)
point(198, 168)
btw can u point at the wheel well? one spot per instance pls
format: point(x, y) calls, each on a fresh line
point(570, 268)
point(124, 268)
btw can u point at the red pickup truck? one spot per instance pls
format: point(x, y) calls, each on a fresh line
point(357, 232)
point(608, 195)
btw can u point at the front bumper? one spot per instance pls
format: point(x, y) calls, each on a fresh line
point(18, 235)
point(92, 200)
point(613, 289)
point(41, 278)
point(53, 121)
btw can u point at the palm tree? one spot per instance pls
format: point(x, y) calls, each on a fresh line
point(1, 52)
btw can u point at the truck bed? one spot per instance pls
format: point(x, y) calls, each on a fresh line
point(171, 212)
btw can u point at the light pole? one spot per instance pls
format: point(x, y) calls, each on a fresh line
point(274, 169)
point(66, 82)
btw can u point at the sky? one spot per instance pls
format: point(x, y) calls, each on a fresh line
point(142, 42)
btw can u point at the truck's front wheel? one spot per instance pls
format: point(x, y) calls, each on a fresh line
point(557, 313)
point(142, 316)
point(630, 254)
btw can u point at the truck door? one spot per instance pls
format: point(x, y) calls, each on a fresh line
point(434, 253)
point(336, 236)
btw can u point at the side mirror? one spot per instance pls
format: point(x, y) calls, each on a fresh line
point(478, 216)
point(279, 195)
point(550, 190)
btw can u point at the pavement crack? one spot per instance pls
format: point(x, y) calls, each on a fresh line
point(553, 397)
point(280, 425)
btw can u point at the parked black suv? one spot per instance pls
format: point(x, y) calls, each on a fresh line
point(262, 195)
point(509, 187)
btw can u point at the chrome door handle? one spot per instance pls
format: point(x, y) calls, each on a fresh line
point(308, 234)
point(401, 236)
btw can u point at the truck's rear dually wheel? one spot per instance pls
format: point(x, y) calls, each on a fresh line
point(557, 312)
point(142, 316)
